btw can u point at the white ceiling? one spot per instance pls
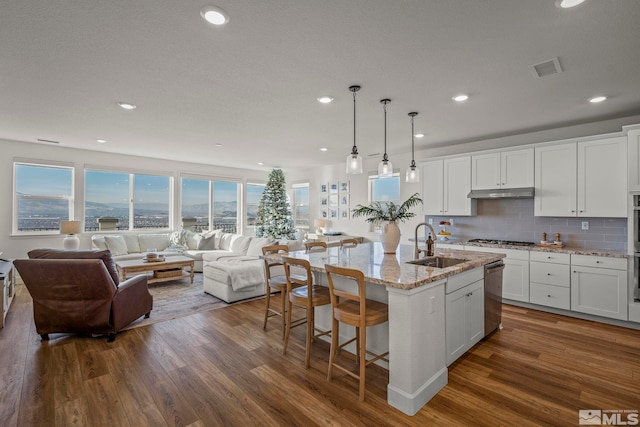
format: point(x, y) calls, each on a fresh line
point(252, 84)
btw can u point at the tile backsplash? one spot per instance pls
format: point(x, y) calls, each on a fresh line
point(513, 219)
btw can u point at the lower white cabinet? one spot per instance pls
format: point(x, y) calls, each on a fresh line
point(599, 286)
point(464, 324)
point(515, 277)
point(550, 280)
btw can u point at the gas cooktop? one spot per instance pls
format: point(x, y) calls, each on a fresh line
point(502, 242)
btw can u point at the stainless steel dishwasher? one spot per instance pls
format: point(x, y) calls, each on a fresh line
point(492, 296)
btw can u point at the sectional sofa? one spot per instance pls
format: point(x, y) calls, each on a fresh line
point(230, 263)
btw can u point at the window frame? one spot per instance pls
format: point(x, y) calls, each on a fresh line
point(294, 187)
point(247, 204)
point(15, 230)
point(132, 196)
point(375, 176)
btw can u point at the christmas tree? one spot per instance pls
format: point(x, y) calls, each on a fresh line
point(274, 217)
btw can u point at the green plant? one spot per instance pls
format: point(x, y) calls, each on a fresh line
point(378, 212)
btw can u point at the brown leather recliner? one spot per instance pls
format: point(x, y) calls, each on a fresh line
point(79, 292)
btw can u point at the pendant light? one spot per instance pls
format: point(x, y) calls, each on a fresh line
point(413, 173)
point(385, 168)
point(354, 160)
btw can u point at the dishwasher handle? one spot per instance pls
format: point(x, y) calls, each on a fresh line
point(494, 267)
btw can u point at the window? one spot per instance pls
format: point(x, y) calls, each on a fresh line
point(43, 197)
point(132, 201)
point(384, 189)
point(212, 202)
point(301, 205)
point(254, 194)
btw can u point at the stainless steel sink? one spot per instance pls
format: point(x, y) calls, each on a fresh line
point(437, 261)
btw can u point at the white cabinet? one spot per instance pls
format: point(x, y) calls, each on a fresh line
point(633, 140)
point(506, 169)
point(555, 180)
point(599, 286)
point(587, 179)
point(550, 280)
point(446, 184)
point(464, 315)
point(515, 277)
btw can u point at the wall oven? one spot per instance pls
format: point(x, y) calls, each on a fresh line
point(636, 247)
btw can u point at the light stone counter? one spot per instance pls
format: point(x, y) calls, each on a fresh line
point(393, 270)
point(564, 250)
point(415, 334)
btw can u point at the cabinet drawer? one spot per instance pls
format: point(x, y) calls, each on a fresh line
point(463, 279)
point(550, 296)
point(554, 257)
point(599, 262)
point(551, 274)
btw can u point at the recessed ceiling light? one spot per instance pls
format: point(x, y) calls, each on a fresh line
point(597, 99)
point(261, 163)
point(323, 148)
point(325, 99)
point(218, 145)
point(127, 106)
point(565, 4)
point(214, 15)
point(101, 141)
point(460, 98)
point(419, 135)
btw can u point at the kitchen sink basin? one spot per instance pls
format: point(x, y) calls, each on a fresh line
point(437, 261)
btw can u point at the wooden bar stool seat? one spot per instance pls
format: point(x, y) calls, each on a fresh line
point(358, 311)
point(307, 296)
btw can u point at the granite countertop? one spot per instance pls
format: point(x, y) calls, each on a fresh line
point(564, 250)
point(392, 269)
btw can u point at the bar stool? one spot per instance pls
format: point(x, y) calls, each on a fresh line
point(307, 296)
point(355, 310)
point(275, 283)
point(315, 246)
point(348, 243)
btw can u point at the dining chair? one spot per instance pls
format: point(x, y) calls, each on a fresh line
point(315, 246)
point(348, 243)
point(304, 294)
point(356, 310)
point(275, 283)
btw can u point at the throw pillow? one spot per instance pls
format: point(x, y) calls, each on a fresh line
point(178, 238)
point(256, 245)
point(133, 246)
point(206, 242)
point(116, 245)
point(225, 241)
point(158, 242)
point(240, 244)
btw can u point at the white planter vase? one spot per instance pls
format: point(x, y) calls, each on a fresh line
point(390, 237)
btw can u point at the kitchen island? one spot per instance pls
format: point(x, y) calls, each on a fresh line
point(415, 333)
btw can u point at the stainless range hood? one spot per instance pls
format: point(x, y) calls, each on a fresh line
point(502, 193)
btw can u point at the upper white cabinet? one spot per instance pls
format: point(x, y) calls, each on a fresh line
point(587, 179)
point(506, 169)
point(446, 184)
point(634, 159)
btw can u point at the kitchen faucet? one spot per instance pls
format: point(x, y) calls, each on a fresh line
point(417, 250)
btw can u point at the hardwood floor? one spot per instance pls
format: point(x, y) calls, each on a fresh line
point(221, 368)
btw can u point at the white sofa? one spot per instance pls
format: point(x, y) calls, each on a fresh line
point(230, 263)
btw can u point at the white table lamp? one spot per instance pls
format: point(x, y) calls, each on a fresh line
point(319, 224)
point(71, 229)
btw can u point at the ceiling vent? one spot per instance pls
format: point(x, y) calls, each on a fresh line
point(48, 141)
point(547, 68)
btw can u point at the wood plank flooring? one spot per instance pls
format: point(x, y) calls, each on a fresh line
point(219, 368)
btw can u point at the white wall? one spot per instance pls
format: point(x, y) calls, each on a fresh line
point(18, 246)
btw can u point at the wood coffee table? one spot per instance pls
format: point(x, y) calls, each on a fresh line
point(172, 268)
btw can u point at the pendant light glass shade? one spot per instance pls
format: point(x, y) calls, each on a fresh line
point(385, 167)
point(413, 173)
point(354, 160)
